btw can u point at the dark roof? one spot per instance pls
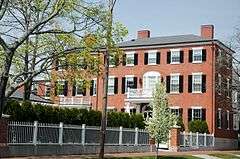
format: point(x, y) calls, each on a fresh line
point(19, 95)
point(164, 40)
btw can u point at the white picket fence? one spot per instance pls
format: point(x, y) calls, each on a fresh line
point(196, 140)
point(45, 133)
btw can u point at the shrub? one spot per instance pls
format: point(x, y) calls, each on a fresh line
point(48, 114)
point(181, 124)
point(198, 126)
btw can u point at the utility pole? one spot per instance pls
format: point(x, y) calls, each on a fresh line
point(109, 22)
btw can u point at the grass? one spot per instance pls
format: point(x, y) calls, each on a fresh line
point(225, 156)
point(160, 157)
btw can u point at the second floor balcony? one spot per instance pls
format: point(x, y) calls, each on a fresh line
point(81, 102)
point(139, 94)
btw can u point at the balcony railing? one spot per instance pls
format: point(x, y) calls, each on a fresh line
point(74, 100)
point(139, 93)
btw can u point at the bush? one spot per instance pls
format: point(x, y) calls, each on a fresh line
point(181, 124)
point(198, 126)
point(48, 114)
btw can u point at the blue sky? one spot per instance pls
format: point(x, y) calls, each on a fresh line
point(176, 17)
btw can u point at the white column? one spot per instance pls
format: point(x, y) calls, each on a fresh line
point(205, 139)
point(184, 139)
point(136, 136)
point(190, 139)
point(128, 107)
point(83, 134)
point(197, 139)
point(120, 135)
point(35, 130)
point(60, 137)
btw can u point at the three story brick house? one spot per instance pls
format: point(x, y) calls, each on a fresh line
point(197, 71)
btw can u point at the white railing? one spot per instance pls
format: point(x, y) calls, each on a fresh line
point(196, 140)
point(46, 133)
point(74, 100)
point(139, 93)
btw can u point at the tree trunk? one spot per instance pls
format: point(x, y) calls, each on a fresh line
point(4, 79)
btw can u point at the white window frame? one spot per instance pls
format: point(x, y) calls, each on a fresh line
point(175, 51)
point(196, 52)
point(196, 108)
point(193, 75)
point(175, 108)
point(228, 119)
point(219, 117)
point(77, 87)
point(94, 87)
point(47, 85)
point(219, 83)
point(128, 77)
point(130, 53)
point(146, 80)
point(111, 84)
point(178, 82)
point(235, 122)
point(61, 82)
point(154, 54)
point(111, 65)
point(228, 87)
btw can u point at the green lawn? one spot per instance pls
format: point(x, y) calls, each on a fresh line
point(160, 157)
point(225, 156)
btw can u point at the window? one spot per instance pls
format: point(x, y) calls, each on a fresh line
point(35, 88)
point(111, 109)
point(111, 85)
point(219, 82)
point(196, 114)
point(47, 90)
point(152, 58)
point(175, 111)
point(175, 57)
point(80, 90)
point(235, 122)
point(228, 121)
point(62, 63)
point(60, 88)
point(111, 61)
point(174, 83)
point(129, 83)
point(197, 55)
point(228, 87)
point(219, 118)
point(130, 59)
point(94, 87)
point(197, 83)
point(150, 79)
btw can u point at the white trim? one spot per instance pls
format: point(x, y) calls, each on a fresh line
point(130, 52)
point(129, 76)
point(219, 108)
point(178, 49)
point(111, 107)
point(152, 51)
point(175, 74)
point(151, 73)
point(197, 48)
point(111, 76)
point(129, 65)
point(196, 107)
point(197, 73)
point(174, 107)
point(94, 79)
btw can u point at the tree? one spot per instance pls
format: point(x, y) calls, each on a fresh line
point(162, 120)
point(22, 21)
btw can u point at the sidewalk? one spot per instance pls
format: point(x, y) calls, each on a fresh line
point(161, 153)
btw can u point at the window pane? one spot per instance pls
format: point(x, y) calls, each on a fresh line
point(174, 83)
point(197, 114)
point(175, 56)
point(129, 83)
point(197, 55)
point(129, 59)
point(111, 85)
point(151, 58)
point(197, 83)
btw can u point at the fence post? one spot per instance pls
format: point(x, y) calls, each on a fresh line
point(197, 139)
point(184, 139)
point(120, 135)
point(136, 136)
point(213, 140)
point(35, 130)
point(190, 141)
point(83, 133)
point(205, 139)
point(60, 139)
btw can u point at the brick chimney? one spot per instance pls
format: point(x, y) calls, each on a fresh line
point(143, 34)
point(207, 31)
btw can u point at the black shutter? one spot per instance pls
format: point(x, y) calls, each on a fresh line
point(180, 112)
point(190, 83)
point(56, 64)
point(181, 56)
point(158, 58)
point(74, 89)
point(91, 87)
point(123, 85)
point(65, 88)
point(203, 114)
point(145, 58)
point(84, 91)
point(190, 56)
point(203, 83)
point(124, 60)
point(168, 84)
point(135, 59)
point(168, 57)
point(180, 84)
point(189, 115)
point(116, 85)
point(135, 82)
point(204, 55)
point(56, 89)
